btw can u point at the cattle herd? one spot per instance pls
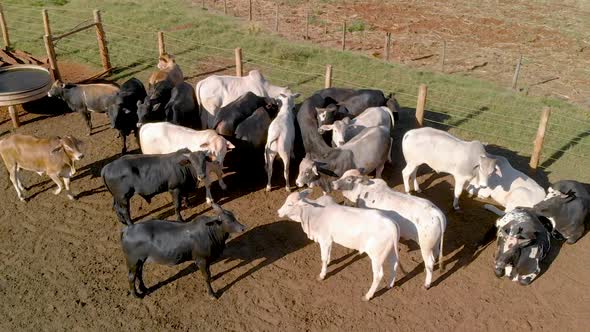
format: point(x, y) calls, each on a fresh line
point(184, 134)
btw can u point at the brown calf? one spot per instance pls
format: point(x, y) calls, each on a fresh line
point(54, 156)
point(168, 70)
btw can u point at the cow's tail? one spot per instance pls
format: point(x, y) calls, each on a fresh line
point(396, 252)
point(200, 108)
point(389, 152)
point(494, 209)
point(442, 222)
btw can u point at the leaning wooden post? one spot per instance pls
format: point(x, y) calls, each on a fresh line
point(14, 116)
point(443, 55)
point(51, 56)
point(4, 29)
point(249, 10)
point(386, 47)
point(239, 72)
point(536, 156)
point(328, 79)
point(516, 73)
point(422, 91)
point(343, 35)
point(277, 18)
point(102, 43)
point(161, 45)
point(225, 7)
point(46, 22)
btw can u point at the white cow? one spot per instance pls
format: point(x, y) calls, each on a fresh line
point(443, 152)
point(281, 135)
point(164, 137)
point(217, 91)
point(344, 130)
point(510, 190)
point(418, 219)
point(365, 230)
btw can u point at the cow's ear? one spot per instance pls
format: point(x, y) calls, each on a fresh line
point(229, 145)
point(326, 128)
point(498, 170)
point(314, 169)
point(57, 148)
point(184, 162)
point(204, 145)
point(295, 95)
point(327, 172)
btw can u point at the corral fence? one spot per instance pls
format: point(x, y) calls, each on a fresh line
point(548, 138)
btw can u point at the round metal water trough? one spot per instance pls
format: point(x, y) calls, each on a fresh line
point(20, 84)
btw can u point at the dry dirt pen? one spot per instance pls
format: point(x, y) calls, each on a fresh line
point(63, 268)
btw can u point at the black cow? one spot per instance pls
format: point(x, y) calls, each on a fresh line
point(353, 102)
point(201, 240)
point(254, 129)
point(313, 142)
point(153, 107)
point(567, 205)
point(149, 175)
point(182, 108)
point(229, 116)
point(523, 241)
point(123, 112)
point(85, 98)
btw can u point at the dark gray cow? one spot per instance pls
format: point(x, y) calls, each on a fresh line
point(201, 240)
point(254, 129)
point(149, 175)
point(229, 116)
point(85, 98)
point(182, 108)
point(567, 205)
point(523, 241)
point(123, 112)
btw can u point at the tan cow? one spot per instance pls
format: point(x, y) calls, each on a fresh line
point(168, 70)
point(54, 156)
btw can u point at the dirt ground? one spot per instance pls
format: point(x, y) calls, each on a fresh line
point(62, 267)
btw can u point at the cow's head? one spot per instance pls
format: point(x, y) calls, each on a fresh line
point(217, 147)
point(286, 102)
point(338, 129)
point(291, 208)
point(143, 108)
point(196, 160)
point(484, 169)
point(71, 146)
point(326, 115)
point(57, 89)
point(393, 105)
point(227, 220)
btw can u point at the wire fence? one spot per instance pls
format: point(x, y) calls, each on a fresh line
point(507, 120)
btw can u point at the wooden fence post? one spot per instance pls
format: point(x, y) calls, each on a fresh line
point(203, 4)
point(307, 23)
point(225, 7)
point(161, 45)
point(249, 10)
point(328, 79)
point(4, 28)
point(277, 18)
point(239, 72)
point(51, 56)
point(386, 47)
point(343, 35)
point(46, 22)
point(443, 55)
point(422, 92)
point(102, 43)
point(536, 156)
point(516, 73)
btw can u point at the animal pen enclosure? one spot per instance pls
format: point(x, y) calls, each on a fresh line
point(506, 120)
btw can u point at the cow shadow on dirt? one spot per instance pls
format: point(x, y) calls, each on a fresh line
point(269, 242)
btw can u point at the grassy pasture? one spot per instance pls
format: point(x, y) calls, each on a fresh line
point(204, 42)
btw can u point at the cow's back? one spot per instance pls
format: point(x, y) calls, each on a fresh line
point(369, 148)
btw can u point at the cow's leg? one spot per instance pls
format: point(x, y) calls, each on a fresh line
point(394, 261)
point(124, 139)
point(218, 169)
point(67, 185)
point(208, 196)
point(406, 174)
point(14, 179)
point(139, 275)
point(459, 184)
point(57, 181)
point(326, 249)
point(19, 181)
point(377, 276)
point(286, 162)
point(177, 196)
point(136, 133)
point(379, 171)
point(428, 257)
point(131, 275)
point(86, 116)
point(203, 266)
point(269, 158)
point(121, 207)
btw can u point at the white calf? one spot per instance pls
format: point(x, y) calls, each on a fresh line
point(344, 130)
point(365, 230)
point(444, 152)
point(418, 219)
point(164, 137)
point(281, 135)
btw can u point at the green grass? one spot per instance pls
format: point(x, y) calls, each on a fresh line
point(204, 41)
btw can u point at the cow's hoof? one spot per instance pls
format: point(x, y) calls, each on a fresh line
point(288, 189)
point(426, 287)
point(213, 296)
point(418, 190)
point(71, 197)
point(209, 201)
point(458, 210)
point(321, 277)
point(223, 185)
point(365, 298)
point(267, 188)
point(57, 191)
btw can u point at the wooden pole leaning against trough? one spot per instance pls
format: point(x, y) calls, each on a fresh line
point(46, 26)
point(48, 40)
point(4, 28)
point(328, 79)
point(422, 92)
point(538, 147)
point(239, 72)
point(102, 43)
point(161, 45)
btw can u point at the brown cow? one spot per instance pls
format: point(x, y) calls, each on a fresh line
point(54, 156)
point(168, 70)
